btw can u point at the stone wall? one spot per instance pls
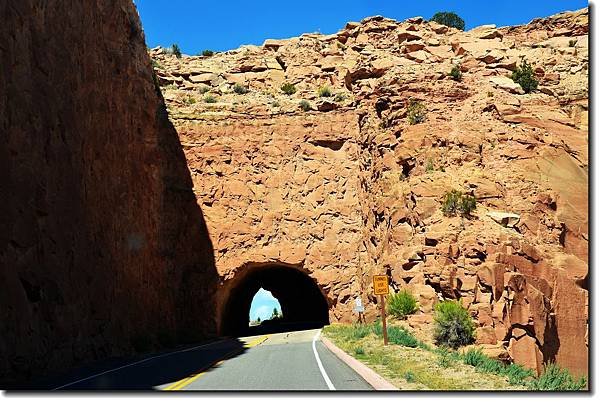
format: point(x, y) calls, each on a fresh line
point(103, 250)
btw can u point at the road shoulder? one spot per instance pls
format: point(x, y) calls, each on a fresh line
point(370, 376)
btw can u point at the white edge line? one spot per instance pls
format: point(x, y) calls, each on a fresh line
point(138, 362)
point(321, 368)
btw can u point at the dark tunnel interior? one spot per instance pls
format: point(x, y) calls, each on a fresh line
point(302, 303)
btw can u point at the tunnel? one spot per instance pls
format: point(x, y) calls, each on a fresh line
point(302, 303)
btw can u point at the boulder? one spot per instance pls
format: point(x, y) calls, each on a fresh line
point(205, 78)
point(493, 56)
point(419, 56)
point(485, 335)
point(273, 44)
point(525, 351)
point(486, 32)
point(506, 84)
point(505, 219)
point(407, 36)
point(437, 28)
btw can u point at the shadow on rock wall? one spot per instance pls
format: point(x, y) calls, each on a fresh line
point(103, 248)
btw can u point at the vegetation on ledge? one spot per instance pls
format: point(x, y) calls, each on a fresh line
point(411, 364)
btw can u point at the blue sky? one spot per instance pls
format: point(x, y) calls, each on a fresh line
point(263, 304)
point(196, 25)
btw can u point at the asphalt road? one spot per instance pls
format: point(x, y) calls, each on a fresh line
point(287, 361)
point(284, 361)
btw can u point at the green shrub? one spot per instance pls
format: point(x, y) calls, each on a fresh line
point(325, 92)
point(450, 203)
point(445, 357)
point(377, 328)
point(455, 73)
point(339, 98)
point(359, 331)
point(353, 332)
point(467, 205)
point(490, 365)
point(400, 336)
point(304, 105)
point(288, 88)
point(556, 379)
point(453, 326)
point(359, 351)
point(424, 346)
point(409, 376)
point(455, 202)
point(517, 374)
point(401, 304)
point(450, 19)
point(189, 100)
point(416, 112)
point(525, 77)
point(429, 167)
point(176, 50)
point(210, 99)
point(207, 53)
point(275, 104)
point(474, 357)
point(203, 89)
point(240, 89)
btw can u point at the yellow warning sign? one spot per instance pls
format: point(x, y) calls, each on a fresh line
point(380, 284)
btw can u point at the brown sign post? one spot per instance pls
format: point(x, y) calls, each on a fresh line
point(381, 288)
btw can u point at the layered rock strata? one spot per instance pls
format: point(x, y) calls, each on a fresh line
point(346, 187)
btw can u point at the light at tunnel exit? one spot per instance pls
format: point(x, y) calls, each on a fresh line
point(262, 305)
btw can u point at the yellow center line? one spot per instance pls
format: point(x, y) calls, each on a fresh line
point(190, 379)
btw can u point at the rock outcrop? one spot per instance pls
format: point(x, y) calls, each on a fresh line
point(103, 249)
point(346, 187)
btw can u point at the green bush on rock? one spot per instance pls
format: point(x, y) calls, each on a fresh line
point(401, 304)
point(525, 77)
point(453, 326)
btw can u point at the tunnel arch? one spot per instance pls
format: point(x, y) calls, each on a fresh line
point(302, 301)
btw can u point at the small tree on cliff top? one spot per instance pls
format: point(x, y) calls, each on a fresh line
point(450, 19)
point(176, 50)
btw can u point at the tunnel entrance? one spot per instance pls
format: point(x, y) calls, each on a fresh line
point(303, 305)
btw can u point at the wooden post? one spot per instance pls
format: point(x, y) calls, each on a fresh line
point(383, 321)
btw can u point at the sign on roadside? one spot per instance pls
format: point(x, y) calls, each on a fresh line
point(380, 285)
point(381, 288)
point(358, 306)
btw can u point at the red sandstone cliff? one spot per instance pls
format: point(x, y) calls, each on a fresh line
point(102, 246)
point(350, 188)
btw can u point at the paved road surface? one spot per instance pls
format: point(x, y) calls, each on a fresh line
point(288, 361)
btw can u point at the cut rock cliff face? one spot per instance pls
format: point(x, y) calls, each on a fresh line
point(350, 188)
point(103, 249)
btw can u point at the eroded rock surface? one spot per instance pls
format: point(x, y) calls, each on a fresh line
point(103, 250)
point(350, 188)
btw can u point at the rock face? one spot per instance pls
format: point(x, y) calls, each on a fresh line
point(103, 249)
point(347, 187)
